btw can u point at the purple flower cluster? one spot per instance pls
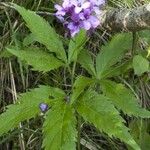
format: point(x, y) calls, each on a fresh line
point(79, 14)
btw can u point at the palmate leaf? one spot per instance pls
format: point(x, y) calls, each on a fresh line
point(60, 128)
point(117, 70)
point(96, 109)
point(27, 107)
point(38, 59)
point(76, 45)
point(80, 84)
point(42, 31)
point(123, 99)
point(85, 60)
point(111, 52)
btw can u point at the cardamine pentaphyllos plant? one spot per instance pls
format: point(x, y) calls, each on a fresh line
point(62, 109)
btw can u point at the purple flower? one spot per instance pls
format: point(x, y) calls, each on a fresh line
point(81, 5)
point(97, 2)
point(79, 14)
point(43, 107)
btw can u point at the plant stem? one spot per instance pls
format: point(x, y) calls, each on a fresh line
point(78, 116)
point(134, 43)
point(73, 74)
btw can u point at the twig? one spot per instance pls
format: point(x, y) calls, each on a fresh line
point(126, 19)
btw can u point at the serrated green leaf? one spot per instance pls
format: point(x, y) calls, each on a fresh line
point(38, 59)
point(140, 64)
point(60, 128)
point(76, 45)
point(123, 99)
point(117, 70)
point(27, 107)
point(112, 52)
point(29, 39)
point(42, 31)
point(80, 84)
point(98, 110)
point(86, 62)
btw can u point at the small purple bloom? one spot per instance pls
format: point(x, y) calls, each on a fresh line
point(79, 14)
point(79, 6)
point(43, 107)
point(74, 28)
point(75, 17)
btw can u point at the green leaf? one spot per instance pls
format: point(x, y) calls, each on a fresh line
point(86, 62)
point(140, 64)
point(117, 70)
point(123, 99)
point(29, 39)
point(140, 132)
point(98, 110)
point(40, 60)
point(80, 84)
point(112, 52)
point(27, 107)
point(42, 31)
point(76, 45)
point(144, 34)
point(60, 128)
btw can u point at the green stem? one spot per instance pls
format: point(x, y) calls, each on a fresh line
point(78, 116)
point(73, 74)
point(134, 43)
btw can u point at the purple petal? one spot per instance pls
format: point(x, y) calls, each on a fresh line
point(94, 21)
point(58, 7)
point(74, 28)
point(78, 9)
point(87, 13)
point(43, 107)
point(71, 26)
point(74, 32)
point(97, 2)
point(75, 17)
point(86, 25)
point(97, 10)
point(86, 5)
point(101, 2)
point(61, 12)
point(66, 3)
point(75, 2)
point(81, 16)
